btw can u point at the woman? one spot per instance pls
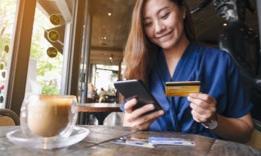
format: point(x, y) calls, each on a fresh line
point(160, 49)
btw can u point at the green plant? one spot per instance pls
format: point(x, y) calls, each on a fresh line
point(50, 90)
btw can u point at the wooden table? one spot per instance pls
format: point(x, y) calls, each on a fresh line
point(99, 143)
point(99, 110)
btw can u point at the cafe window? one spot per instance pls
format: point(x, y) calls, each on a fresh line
point(46, 55)
point(105, 76)
point(7, 16)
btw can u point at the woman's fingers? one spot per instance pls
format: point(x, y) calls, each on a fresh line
point(203, 107)
point(199, 102)
point(200, 114)
point(143, 121)
point(203, 101)
point(138, 118)
point(128, 106)
point(197, 108)
point(202, 97)
point(140, 111)
point(197, 117)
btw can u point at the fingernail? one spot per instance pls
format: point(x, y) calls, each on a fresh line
point(129, 120)
point(191, 94)
point(161, 112)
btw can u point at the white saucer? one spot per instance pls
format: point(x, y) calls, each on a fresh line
point(17, 137)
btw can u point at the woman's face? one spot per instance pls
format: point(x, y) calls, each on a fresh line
point(163, 22)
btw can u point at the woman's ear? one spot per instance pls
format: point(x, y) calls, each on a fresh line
point(183, 12)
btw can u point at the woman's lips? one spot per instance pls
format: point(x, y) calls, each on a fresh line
point(163, 36)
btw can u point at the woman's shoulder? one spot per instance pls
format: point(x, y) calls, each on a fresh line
point(212, 53)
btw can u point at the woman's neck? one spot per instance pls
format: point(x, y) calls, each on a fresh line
point(174, 54)
point(177, 51)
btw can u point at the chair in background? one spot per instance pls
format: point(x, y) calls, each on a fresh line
point(8, 118)
point(114, 119)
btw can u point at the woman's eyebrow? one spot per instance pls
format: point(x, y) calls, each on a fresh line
point(166, 7)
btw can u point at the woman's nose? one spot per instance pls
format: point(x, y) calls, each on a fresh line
point(159, 27)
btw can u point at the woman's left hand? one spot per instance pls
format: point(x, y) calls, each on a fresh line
point(203, 107)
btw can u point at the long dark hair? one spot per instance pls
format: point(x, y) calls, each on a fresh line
point(139, 51)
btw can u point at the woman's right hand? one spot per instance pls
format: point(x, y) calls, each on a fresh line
point(136, 118)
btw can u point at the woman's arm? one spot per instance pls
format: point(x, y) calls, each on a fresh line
point(204, 110)
point(237, 129)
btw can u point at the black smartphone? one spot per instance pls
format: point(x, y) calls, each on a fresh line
point(136, 88)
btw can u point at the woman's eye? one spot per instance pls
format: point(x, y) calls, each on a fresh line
point(146, 24)
point(165, 16)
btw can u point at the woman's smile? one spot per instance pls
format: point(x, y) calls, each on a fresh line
point(164, 37)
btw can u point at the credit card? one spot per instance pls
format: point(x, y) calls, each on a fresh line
point(182, 88)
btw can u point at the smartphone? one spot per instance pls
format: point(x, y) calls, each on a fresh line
point(136, 88)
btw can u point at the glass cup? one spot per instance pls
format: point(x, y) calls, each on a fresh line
point(48, 116)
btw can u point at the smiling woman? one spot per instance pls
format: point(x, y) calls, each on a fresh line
point(139, 52)
point(160, 27)
point(160, 49)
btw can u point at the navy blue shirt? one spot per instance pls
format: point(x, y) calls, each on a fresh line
point(219, 78)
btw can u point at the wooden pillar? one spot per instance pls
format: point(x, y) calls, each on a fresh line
point(82, 37)
point(86, 53)
point(119, 71)
point(21, 45)
point(74, 50)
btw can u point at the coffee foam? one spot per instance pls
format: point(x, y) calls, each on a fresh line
point(49, 116)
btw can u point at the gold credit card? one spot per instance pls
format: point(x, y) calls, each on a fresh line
point(182, 88)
